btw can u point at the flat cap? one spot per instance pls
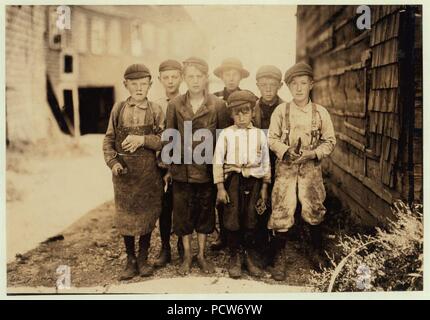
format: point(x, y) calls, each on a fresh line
point(241, 97)
point(199, 63)
point(170, 65)
point(231, 63)
point(137, 71)
point(270, 72)
point(299, 69)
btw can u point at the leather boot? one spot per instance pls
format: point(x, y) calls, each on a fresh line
point(316, 255)
point(145, 269)
point(252, 267)
point(130, 270)
point(235, 266)
point(279, 268)
point(164, 257)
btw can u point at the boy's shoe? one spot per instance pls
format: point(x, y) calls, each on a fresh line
point(317, 259)
point(279, 269)
point(218, 244)
point(145, 269)
point(235, 267)
point(205, 265)
point(252, 267)
point(185, 267)
point(163, 258)
point(130, 270)
point(316, 255)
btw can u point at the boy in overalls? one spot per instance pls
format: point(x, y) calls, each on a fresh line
point(241, 170)
point(132, 138)
point(298, 174)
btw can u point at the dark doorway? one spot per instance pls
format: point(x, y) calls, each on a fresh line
point(95, 105)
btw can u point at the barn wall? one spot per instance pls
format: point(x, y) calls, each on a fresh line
point(367, 82)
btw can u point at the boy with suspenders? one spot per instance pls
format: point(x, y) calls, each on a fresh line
point(298, 172)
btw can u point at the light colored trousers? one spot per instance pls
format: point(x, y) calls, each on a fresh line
point(297, 180)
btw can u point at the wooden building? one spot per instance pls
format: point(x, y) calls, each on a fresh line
point(370, 81)
point(69, 78)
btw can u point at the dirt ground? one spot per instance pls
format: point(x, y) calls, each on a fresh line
point(94, 251)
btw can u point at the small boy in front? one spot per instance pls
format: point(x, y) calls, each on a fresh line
point(231, 72)
point(299, 175)
point(132, 139)
point(241, 170)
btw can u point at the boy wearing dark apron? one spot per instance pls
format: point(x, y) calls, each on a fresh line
point(132, 138)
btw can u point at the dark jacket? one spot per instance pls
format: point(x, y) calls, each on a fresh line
point(262, 117)
point(212, 115)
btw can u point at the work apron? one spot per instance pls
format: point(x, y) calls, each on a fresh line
point(138, 192)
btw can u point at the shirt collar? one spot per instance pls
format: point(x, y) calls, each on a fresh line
point(275, 102)
point(227, 93)
point(250, 126)
point(142, 105)
point(306, 108)
point(205, 99)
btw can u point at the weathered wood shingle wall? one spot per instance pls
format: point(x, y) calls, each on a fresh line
point(370, 81)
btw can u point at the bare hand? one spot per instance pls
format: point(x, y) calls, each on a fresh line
point(306, 156)
point(132, 142)
point(167, 178)
point(264, 195)
point(222, 197)
point(291, 155)
point(117, 169)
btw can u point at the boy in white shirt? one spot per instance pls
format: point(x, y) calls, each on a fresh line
point(241, 170)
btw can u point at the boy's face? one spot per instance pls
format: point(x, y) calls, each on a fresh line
point(269, 88)
point(300, 88)
point(231, 78)
point(138, 88)
point(242, 115)
point(195, 79)
point(171, 80)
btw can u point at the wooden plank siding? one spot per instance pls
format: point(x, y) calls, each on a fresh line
point(372, 86)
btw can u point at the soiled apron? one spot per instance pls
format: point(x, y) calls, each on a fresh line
point(138, 193)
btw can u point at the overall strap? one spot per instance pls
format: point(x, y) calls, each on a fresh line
point(316, 118)
point(316, 126)
point(121, 111)
point(287, 125)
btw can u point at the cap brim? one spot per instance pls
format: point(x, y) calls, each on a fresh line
point(243, 72)
point(137, 75)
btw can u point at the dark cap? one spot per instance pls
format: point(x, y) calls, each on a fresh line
point(241, 97)
point(231, 63)
point(269, 71)
point(170, 65)
point(299, 69)
point(198, 63)
point(136, 71)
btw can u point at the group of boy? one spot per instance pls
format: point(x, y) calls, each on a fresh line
point(267, 155)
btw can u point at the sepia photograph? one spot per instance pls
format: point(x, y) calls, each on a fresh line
point(213, 149)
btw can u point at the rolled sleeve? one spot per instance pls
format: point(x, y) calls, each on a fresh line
point(275, 132)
